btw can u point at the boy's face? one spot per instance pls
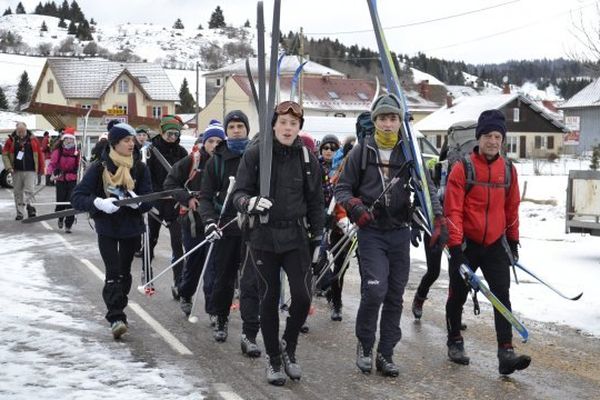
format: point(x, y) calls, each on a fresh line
point(286, 129)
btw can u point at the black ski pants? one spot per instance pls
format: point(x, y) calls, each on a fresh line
point(337, 284)
point(434, 261)
point(192, 269)
point(296, 264)
point(175, 232)
point(117, 255)
point(64, 189)
point(495, 267)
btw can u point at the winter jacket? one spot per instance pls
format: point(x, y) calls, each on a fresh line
point(64, 163)
point(395, 210)
point(126, 222)
point(33, 152)
point(488, 209)
point(223, 164)
point(172, 152)
point(296, 193)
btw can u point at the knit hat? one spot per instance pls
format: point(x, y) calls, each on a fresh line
point(308, 141)
point(214, 129)
point(237, 116)
point(489, 121)
point(386, 104)
point(329, 139)
point(142, 129)
point(118, 132)
point(111, 123)
point(68, 132)
point(170, 122)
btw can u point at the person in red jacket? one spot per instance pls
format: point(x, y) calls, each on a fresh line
point(481, 214)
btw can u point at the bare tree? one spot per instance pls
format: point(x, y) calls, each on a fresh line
point(587, 33)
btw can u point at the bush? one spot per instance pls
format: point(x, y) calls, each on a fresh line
point(45, 49)
point(553, 157)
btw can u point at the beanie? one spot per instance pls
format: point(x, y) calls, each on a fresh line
point(142, 129)
point(386, 104)
point(170, 122)
point(68, 132)
point(111, 123)
point(118, 132)
point(214, 129)
point(237, 116)
point(489, 121)
point(329, 139)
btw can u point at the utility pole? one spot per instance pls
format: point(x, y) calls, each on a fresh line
point(301, 51)
point(197, 98)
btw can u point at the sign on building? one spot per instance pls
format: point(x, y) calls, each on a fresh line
point(573, 124)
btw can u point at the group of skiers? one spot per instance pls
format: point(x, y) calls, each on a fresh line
point(363, 199)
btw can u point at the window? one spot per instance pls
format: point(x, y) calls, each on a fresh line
point(550, 142)
point(218, 82)
point(438, 141)
point(86, 106)
point(537, 144)
point(333, 95)
point(362, 96)
point(124, 108)
point(511, 145)
point(157, 112)
point(142, 79)
point(123, 86)
point(50, 86)
point(516, 114)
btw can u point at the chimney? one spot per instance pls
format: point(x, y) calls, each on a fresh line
point(550, 105)
point(424, 89)
point(505, 85)
point(449, 99)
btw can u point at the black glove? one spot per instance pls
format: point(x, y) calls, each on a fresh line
point(415, 235)
point(359, 213)
point(514, 249)
point(457, 257)
point(212, 231)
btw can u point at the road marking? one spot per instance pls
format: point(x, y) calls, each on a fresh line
point(65, 242)
point(154, 324)
point(226, 392)
point(45, 225)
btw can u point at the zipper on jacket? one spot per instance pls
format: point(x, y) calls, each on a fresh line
point(487, 207)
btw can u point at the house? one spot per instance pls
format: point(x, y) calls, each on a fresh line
point(139, 93)
point(533, 131)
point(582, 116)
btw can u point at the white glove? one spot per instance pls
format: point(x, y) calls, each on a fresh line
point(212, 232)
point(106, 205)
point(133, 195)
point(259, 205)
point(344, 224)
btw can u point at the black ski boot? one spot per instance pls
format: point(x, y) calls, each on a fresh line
point(249, 346)
point(275, 374)
point(386, 366)
point(288, 356)
point(509, 361)
point(31, 211)
point(220, 333)
point(456, 352)
point(185, 303)
point(336, 312)
point(175, 293)
point(60, 223)
point(118, 329)
point(417, 306)
point(364, 358)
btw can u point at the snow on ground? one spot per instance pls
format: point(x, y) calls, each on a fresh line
point(48, 353)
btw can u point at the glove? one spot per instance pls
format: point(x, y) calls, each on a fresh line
point(415, 235)
point(439, 236)
point(133, 195)
point(212, 232)
point(344, 224)
point(359, 213)
point(457, 257)
point(106, 205)
point(258, 205)
point(514, 249)
point(317, 262)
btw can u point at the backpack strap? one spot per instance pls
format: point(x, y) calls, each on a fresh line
point(471, 179)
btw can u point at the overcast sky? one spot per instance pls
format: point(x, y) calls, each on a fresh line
point(508, 29)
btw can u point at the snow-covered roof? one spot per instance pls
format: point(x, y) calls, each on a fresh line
point(460, 91)
point(288, 66)
point(469, 108)
point(589, 96)
point(90, 78)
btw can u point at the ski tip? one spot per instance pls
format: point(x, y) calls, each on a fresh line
point(576, 297)
point(193, 319)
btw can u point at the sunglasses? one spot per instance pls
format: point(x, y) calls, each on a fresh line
point(290, 107)
point(174, 133)
point(328, 147)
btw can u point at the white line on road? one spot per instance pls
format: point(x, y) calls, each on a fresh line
point(154, 324)
point(45, 225)
point(226, 392)
point(66, 242)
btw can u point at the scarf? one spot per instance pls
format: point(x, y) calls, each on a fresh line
point(122, 177)
point(386, 140)
point(237, 146)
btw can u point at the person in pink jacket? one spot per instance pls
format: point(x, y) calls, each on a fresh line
point(63, 166)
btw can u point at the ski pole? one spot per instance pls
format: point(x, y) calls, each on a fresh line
point(52, 203)
point(346, 263)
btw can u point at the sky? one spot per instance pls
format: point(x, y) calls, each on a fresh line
point(506, 29)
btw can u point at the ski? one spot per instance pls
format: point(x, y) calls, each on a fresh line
point(543, 282)
point(251, 83)
point(161, 159)
point(130, 200)
point(147, 272)
point(295, 80)
point(410, 145)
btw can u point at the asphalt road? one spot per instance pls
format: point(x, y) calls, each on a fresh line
point(566, 364)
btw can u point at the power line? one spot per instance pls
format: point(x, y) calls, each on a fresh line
point(427, 21)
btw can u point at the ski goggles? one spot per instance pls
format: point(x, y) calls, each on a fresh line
point(173, 132)
point(290, 107)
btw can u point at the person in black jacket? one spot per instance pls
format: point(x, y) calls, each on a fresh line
point(229, 249)
point(167, 143)
point(188, 173)
point(295, 224)
point(119, 173)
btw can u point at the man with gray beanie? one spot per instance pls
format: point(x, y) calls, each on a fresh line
point(483, 220)
point(383, 231)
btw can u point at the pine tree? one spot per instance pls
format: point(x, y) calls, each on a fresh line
point(44, 27)
point(83, 31)
point(24, 90)
point(72, 28)
point(39, 9)
point(186, 98)
point(3, 101)
point(92, 22)
point(8, 11)
point(595, 158)
point(63, 11)
point(20, 9)
point(178, 24)
point(247, 24)
point(200, 27)
point(76, 13)
point(217, 20)
point(62, 23)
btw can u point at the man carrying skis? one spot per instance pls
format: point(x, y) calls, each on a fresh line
point(384, 231)
point(295, 224)
point(481, 211)
point(229, 249)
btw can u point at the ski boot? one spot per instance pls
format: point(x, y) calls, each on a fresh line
point(175, 293)
point(31, 211)
point(185, 303)
point(456, 352)
point(67, 229)
point(19, 217)
point(275, 375)
point(510, 362)
point(220, 333)
point(364, 358)
point(386, 366)
point(417, 306)
point(118, 329)
point(249, 347)
point(60, 223)
point(291, 367)
point(336, 313)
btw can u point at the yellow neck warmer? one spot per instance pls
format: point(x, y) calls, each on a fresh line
point(122, 177)
point(385, 140)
